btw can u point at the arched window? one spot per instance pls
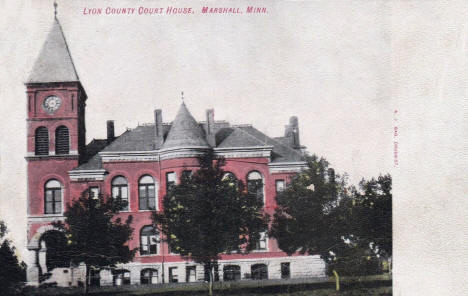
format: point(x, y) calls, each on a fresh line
point(53, 197)
point(231, 273)
point(62, 140)
point(229, 176)
point(149, 276)
point(120, 190)
point(147, 193)
point(255, 184)
point(121, 277)
point(41, 140)
point(259, 271)
point(149, 239)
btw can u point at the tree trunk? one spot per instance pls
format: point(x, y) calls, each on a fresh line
point(337, 280)
point(211, 280)
point(86, 285)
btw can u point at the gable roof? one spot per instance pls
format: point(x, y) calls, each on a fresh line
point(185, 131)
point(54, 63)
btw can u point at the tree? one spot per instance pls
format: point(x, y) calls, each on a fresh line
point(366, 213)
point(12, 272)
point(302, 221)
point(373, 213)
point(208, 214)
point(347, 227)
point(94, 235)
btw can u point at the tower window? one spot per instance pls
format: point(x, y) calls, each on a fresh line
point(53, 197)
point(41, 140)
point(120, 190)
point(186, 174)
point(62, 140)
point(279, 186)
point(170, 180)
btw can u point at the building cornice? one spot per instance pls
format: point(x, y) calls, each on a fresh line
point(184, 152)
point(244, 152)
point(287, 167)
point(115, 156)
point(31, 156)
point(87, 175)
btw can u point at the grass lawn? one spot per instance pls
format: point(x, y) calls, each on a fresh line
point(380, 291)
point(370, 285)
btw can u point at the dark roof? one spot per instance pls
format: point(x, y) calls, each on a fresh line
point(237, 137)
point(138, 139)
point(281, 152)
point(185, 131)
point(54, 63)
point(142, 139)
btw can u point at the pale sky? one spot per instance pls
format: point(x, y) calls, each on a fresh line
point(342, 67)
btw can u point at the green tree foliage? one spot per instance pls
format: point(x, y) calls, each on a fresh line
point(12, 272)
point(94, 235)
point(349, 228)
point(302, 221)
point(372, 209)
point(208, 214)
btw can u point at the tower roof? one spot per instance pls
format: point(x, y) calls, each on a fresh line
point(54, 63)
point(185, 131)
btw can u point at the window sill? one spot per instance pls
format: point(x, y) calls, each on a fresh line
point(149, 255)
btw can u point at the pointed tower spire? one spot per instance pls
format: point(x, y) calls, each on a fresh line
point(55, 9)
point(54, 63)
point(185, 131)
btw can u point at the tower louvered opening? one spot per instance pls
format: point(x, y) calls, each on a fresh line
point(41, 141)
point(62, 140)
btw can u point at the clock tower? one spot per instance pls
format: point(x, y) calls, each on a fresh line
point(55, 103)
point(56, 135)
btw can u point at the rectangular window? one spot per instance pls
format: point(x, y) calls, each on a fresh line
point(147, 196)
point(170, 251)
point(122, 192)
point(191, 274)
point(279, 186)
point(149, 242)
point(53, 201)
point(170, 180)
point(261, 244)
point(143, 197)
point(173, 278)
point(186, 174)
point(285, 270)
point(94, 192)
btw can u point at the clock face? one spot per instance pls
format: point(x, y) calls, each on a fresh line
point(51, 104)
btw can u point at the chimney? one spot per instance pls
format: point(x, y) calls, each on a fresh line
point(292, 132)
point(158, 129)
point(210, 129)
point(110, 131)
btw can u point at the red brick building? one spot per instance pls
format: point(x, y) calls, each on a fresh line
point(138, 166)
